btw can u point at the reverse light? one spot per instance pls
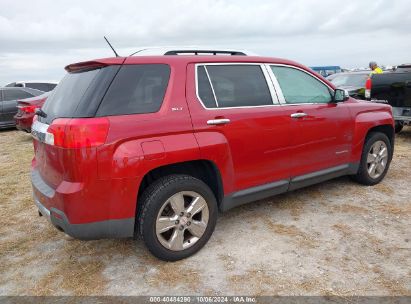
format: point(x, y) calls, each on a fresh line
point(78, 132)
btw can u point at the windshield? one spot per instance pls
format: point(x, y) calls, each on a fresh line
point(352, 80)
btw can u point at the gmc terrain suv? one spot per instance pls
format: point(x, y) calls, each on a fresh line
point(154, 146)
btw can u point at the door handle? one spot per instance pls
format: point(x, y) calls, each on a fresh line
point(221, 121)
point(298, 115)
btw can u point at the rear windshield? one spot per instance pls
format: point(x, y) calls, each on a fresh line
point(79, 94)
point(127, 90)
point(66, 97)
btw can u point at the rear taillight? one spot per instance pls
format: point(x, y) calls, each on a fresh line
point(78, 132)
point(28, 109)
point(368, 84)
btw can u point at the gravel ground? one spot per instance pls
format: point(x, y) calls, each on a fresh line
point(336, 238)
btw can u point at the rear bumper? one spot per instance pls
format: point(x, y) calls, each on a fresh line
point(112, 228)
point(122, 228)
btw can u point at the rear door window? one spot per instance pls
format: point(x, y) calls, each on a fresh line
point(14, 94)
point(239, 85)
point(136, 89)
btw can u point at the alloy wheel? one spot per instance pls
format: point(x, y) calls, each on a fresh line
point(377, 159)
point(182, 220)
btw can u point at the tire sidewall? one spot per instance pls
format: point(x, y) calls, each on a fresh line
point(363, 170)
point(156, 201)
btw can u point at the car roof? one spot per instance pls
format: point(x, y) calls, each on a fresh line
point(181, 59)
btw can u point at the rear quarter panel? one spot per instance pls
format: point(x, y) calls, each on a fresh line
point(139, 143)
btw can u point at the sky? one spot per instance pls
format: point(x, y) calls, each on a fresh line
point(39, 37)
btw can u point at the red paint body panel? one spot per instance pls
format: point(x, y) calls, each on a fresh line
point(261, 145)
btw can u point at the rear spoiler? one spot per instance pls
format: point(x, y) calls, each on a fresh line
point(84, 66)
point(93, 64)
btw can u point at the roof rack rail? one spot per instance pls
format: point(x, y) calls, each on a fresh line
point(193, 50)
point(204, 52)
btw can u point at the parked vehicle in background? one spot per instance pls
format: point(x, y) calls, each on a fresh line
point(395, 87)
point(44, 86)
point(326, 70)
point(26, 109)
point(8, 103)
point(153, 146)
point(403, 68)
point(353, 82)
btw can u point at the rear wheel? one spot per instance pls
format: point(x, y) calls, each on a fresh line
point(375, 159)
point(178, 216)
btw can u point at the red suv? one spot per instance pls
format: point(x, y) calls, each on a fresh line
point(154, 146)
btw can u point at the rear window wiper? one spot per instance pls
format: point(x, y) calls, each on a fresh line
point(41, 113)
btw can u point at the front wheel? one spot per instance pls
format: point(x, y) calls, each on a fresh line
point(178, 216)
point(375, 159)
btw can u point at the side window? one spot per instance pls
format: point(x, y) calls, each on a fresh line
point(13, 94)
point(205, 91)
point(300, 87)
point(233, 85)
point(136, 89)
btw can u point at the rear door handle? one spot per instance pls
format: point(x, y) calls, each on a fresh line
point(221, 121)
point(298, 115)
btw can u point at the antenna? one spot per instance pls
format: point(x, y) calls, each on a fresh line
point(115, 53)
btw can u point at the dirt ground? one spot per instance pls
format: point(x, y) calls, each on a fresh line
point(336, 238)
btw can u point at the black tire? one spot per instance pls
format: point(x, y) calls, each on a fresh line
point(152, 201)
point(398, 126)
point(362, 176)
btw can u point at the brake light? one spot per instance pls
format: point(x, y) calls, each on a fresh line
point(78, 132)
point(368, 85)
point(28, 109)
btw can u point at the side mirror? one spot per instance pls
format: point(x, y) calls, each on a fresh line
point(340, 95)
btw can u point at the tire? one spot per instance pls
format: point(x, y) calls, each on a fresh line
point(364, 176)
point(398, 126)
point(163, 200)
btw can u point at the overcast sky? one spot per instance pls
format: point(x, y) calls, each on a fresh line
point(39, 37)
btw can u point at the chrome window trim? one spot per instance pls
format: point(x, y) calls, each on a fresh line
point(278, 89)
point(268, 81)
